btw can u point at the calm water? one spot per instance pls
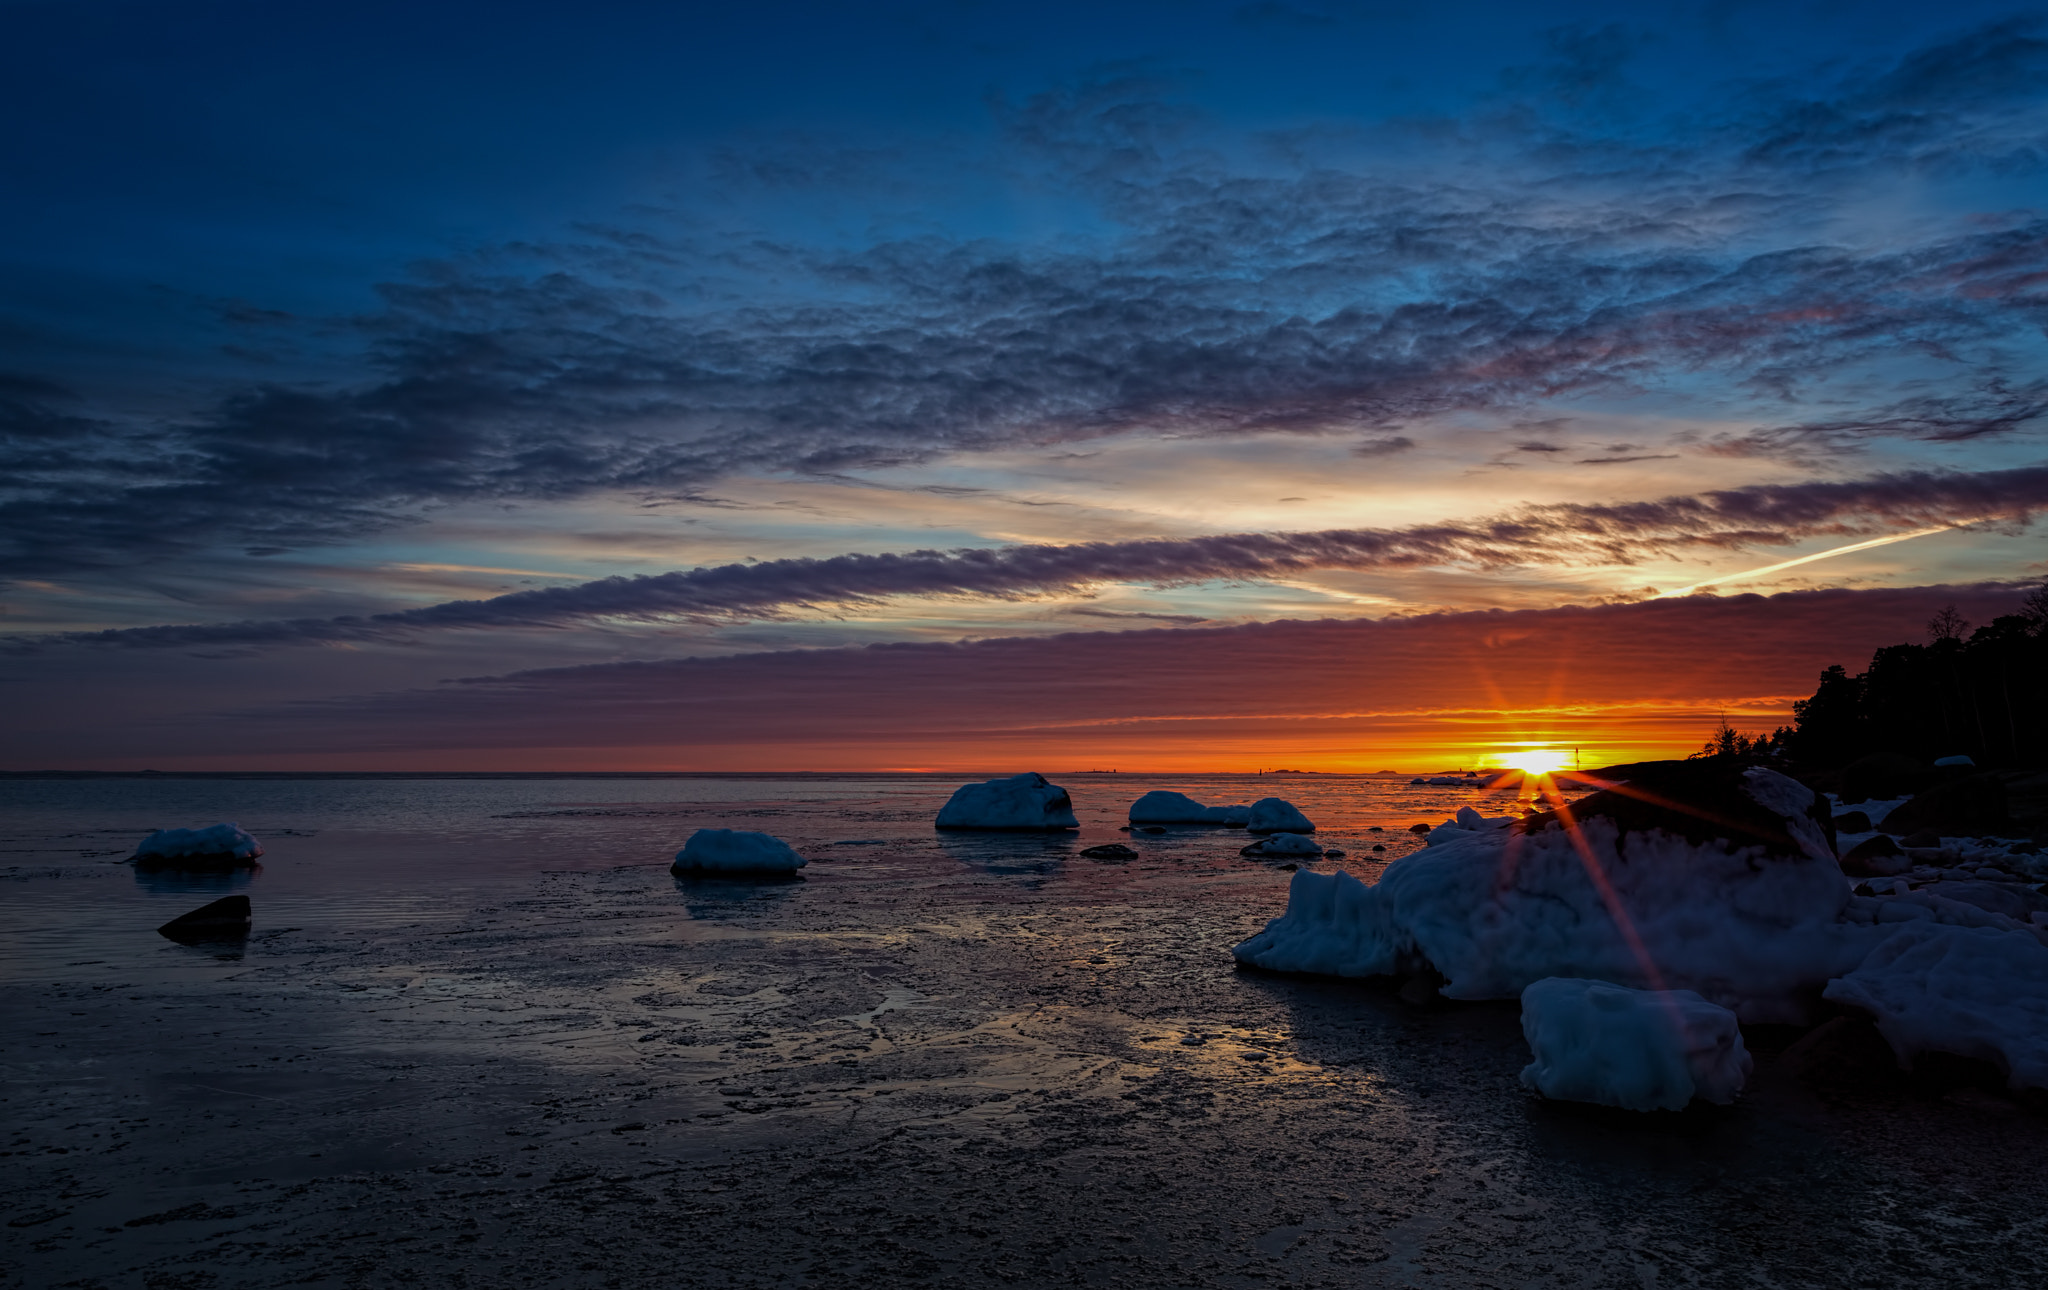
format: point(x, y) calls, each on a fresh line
point(370, 853)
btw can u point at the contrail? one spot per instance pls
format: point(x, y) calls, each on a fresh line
point(1809, 559)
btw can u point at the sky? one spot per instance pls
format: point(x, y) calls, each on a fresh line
point(953, 385)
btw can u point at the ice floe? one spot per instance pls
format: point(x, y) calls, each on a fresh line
point(1024, 801)
point(736, 851)
point(1292, 846)
point(1642, 1050)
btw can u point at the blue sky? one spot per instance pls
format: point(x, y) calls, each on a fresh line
point(313, 315)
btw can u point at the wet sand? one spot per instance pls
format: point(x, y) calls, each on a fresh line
point(947, 1062)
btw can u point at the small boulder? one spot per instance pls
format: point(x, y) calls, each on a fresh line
point(1021, 803)
point(1111, 851)
point(1853, 822)
point(1273, 815)
point(214, 848)
point(1333, 854)
point(735, 852)
point(1288, 845)
point(1424, 828)
point(1877, 857)
point(1153, 829)
point(1958, 760)
point(226, 919)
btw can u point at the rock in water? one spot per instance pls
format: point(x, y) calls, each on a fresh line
point(216, 847)
point(1162, 807)
point(1968, 806)
point(1111, 851)
point(1272, 815)
point(713, 852)
point(1641, 1050)
point(1853, 822)
point(1289, 845)
point(1021, 802)
point(1709, 801)
point(225, 919)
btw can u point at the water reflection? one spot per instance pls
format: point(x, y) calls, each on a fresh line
point(716, 898)
point(1030, 856)
point(196, 882)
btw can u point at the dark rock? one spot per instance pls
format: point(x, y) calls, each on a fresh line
point(1703, 801)
point(1419, 828)
point(1853, 822)
point(1882, 775)
point(1842, 1051)
point(1375, 829)
point(1972, 805)
point(1424, 988)
point(1378, 847)
point(1157, 828)
point(1111, 851)
point(204, 862)
point(1877, 857)
point(1333, 854)
point(1924, 840)
point(226, 919)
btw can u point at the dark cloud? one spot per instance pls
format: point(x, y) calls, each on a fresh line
point(1359, 680)
point(1995, 408)
point(1323, 299)
point(1385, 446)
point(1617, 461)
point(1726, 519)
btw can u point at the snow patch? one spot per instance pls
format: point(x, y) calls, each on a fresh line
point(1975, 991)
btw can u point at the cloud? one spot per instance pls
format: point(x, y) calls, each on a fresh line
point(1385, 446)
point(1557, 534)
point(1616, 461)
point(1523, 267)
point(1641, 672)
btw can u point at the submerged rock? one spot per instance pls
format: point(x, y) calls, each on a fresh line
point(1110, 851)
point(216, 847)
point(1287, 845)
point(225, 919)
point(1024, 802)
point(712, 852)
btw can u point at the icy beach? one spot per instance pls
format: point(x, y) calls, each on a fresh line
point(480, 1034)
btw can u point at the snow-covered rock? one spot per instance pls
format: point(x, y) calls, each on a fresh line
point(1292, 846)
point(1273, 815)
point(1024, 801)
point(216, 846)
point(1642, 1050)
point(1467, 821)
point(1974, 991)
point(1958, 760)
point(1161, 806)
point(1755, 926)
point(736, 851)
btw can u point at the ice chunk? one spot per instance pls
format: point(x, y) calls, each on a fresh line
point(1163, 807)
point(217, 844)
point(1495, 910)
point(736, 851)
point(1974, 991)
point(1466, 821)
point(1641, 1050)
point(1957, 760)
point(1272, 815)
point(1024, 801)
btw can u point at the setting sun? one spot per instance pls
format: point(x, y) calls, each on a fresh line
point(1541, 761)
